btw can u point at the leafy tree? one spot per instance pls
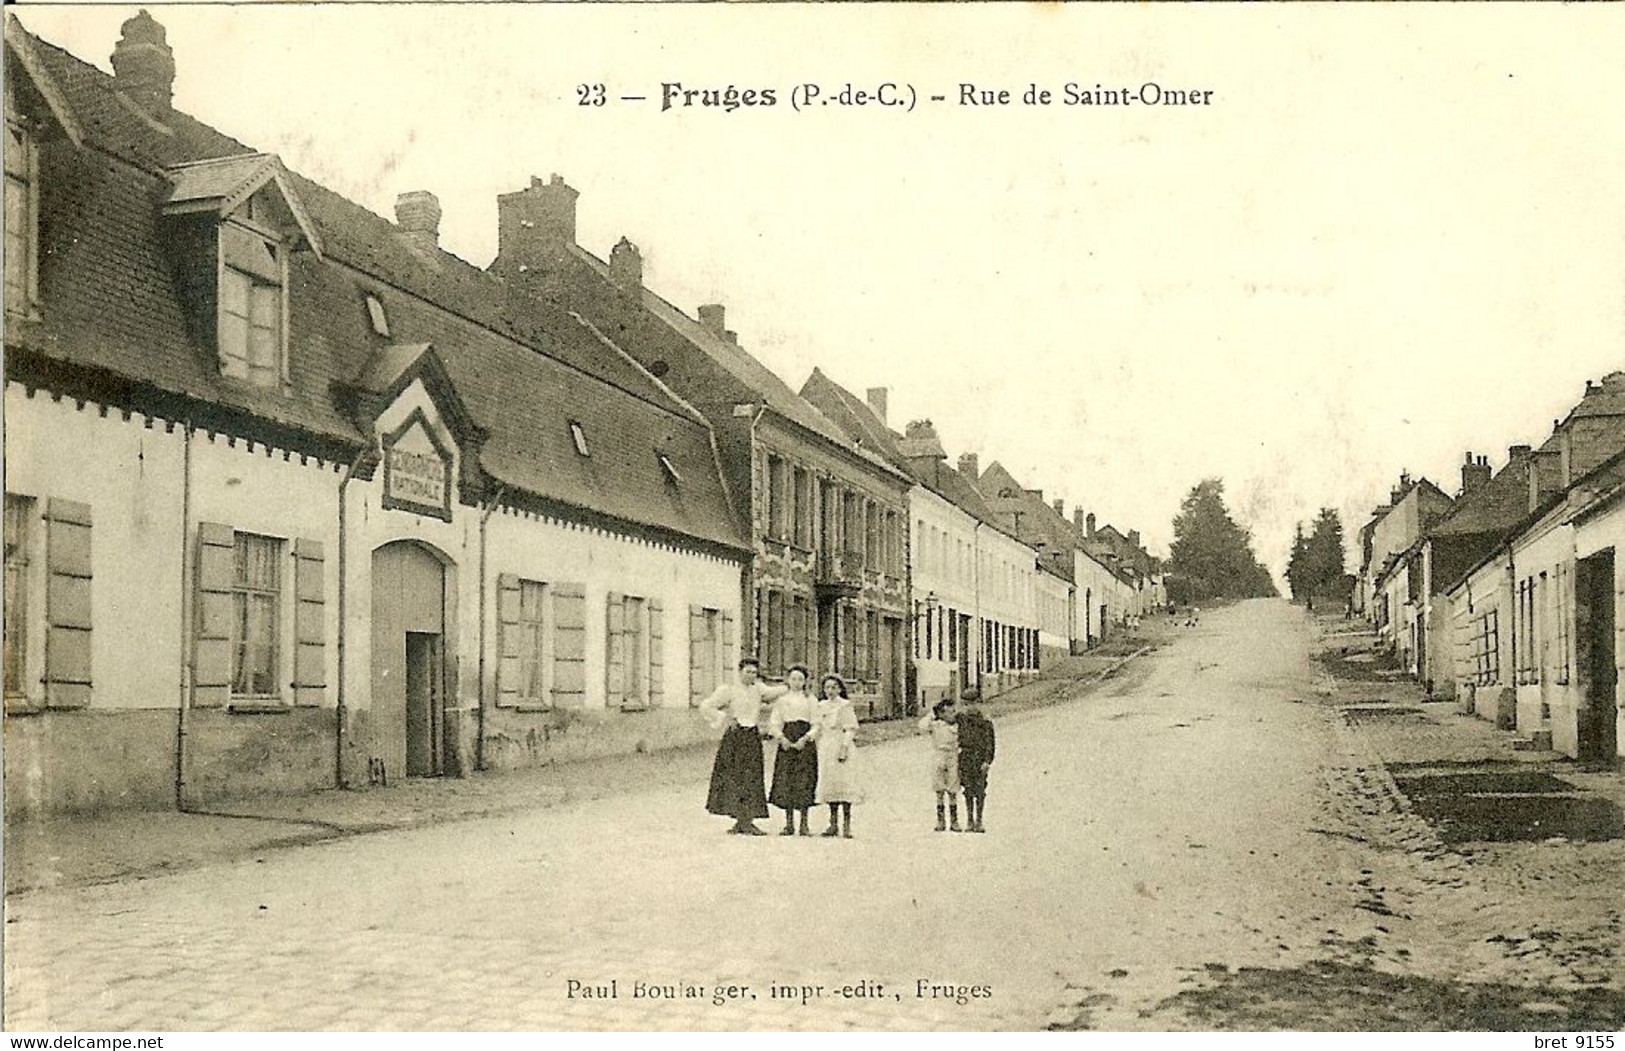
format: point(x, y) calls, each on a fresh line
point(1211, 556)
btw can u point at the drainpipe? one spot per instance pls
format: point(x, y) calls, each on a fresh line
point(339, 709)
point(186, 618)
point(479, 739)
point(981, 629)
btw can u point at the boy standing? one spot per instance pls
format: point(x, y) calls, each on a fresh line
point(975, 756)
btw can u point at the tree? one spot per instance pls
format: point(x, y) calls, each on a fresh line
point(1297, 566)
point(1211, 556)
point(1321, 570)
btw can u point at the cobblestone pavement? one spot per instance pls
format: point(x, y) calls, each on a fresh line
point(1200, 817)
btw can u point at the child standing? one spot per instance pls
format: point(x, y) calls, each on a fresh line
point(944, 730)
point(837, 727)
point(975, 756)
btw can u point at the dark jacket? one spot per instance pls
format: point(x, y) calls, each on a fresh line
point(975, 741)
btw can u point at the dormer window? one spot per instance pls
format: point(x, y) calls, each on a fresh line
point(252, 279)
point(580, 438)
point(244, 209)
point(22, 215)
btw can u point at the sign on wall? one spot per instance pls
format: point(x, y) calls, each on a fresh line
point(417, 469)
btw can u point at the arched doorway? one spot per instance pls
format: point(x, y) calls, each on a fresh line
point(410, 639)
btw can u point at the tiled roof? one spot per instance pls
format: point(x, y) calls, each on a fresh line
point(853, 415)
point(1606, 398)
point(1494, 505)
point(522, 366)
point(739, 364)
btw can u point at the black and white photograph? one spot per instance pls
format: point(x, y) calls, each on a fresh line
point(897, 517)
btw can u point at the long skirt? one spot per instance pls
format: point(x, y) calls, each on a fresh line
point(795, 773)
point(736, 778)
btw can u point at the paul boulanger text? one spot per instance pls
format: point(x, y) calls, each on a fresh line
point(795, 992)
point(899, 95)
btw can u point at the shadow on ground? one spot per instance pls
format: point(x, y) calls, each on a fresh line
point(1341, 998)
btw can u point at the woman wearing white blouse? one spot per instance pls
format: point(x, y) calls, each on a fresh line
point(795, 770)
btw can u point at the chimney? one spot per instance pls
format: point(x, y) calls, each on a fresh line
point(967, 467)
point(144, 66)
point(1474, 473)
point(626, 266)
point(731, 336)
point(1134, 538)
point(1089, 527)
point(1545, 477)
point(876, 397)
point(1077, 520)
point(535, 226)
point(711, 316)
point(417, 213)
point(1517, 453)
point(1060, 507)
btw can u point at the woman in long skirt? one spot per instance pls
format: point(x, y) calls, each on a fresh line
point(795, 769)
point(737, 776)
point(837, 727)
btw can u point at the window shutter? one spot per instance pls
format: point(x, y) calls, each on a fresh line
point(657, 653)
point(614, 645)
point(211, 643)
point(509, 673)
point(728, 651)
point(698, 686)
point(569, 645)
point(309, 623)
point(67, 604)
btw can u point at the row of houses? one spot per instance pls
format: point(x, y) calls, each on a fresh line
point(1507, 595)
point(295, 498)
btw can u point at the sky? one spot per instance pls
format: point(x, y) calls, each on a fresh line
point(1394, 234)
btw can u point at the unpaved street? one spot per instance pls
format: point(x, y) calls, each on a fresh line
point(1204, 841)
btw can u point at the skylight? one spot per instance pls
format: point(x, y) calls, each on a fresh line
point(580, 437)
point(380, 320)
point(671, 468)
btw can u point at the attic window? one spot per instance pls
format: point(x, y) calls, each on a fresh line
point(22, 215)
point(671, 468)
point(380, 320)
point(251, 333)
point(580, 437)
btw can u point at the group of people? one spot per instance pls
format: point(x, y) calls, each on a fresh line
point(814, 740)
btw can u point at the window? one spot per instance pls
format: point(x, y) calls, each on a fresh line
point(705, 664)
point(22, 214)
point(1486, 649)
point(18, 509)
point(796, 647)
point(535, 660)
point(1565, 611)
point(375, 312)
point(251, 283)
point(773, 637)
point(579, 436)
point(256, 595)
point(952, 629)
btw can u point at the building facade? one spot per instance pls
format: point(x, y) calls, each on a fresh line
point(827, 585)
point(295, 499)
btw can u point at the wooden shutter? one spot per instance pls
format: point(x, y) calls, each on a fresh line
point(211, 641)
point(569, 645)
point(309, 623)
point(614, 650)
point(67, 604)
point(657, 653)
point(698, 681)
point(509, 672)
point(728, 658)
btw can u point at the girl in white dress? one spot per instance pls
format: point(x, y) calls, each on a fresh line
point(837, 727)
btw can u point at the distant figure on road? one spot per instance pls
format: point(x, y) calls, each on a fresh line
point(943, 727)
point(795, 770)
point(737, 776)
point(837, 726)
point(1195, 618)
point(976, 740)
